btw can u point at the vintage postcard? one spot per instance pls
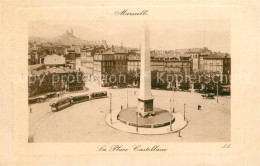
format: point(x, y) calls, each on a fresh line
point(143, 78)
point(94, 82)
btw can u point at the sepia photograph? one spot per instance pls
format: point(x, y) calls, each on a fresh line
point(124, 81)
point(129, 83)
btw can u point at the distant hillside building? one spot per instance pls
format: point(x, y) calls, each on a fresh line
point(69, 38)
point(68, 34)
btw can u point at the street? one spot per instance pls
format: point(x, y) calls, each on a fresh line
point(85, 122)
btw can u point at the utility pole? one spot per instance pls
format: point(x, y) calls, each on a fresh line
point(110, 108)
point(170, 114)
point(217, 92)
point(137, 121)
point(173, 101)
point(184, 111)
point(127, 96)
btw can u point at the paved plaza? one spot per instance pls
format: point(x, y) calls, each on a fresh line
point(85, 122)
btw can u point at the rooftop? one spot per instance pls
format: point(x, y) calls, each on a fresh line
point(54, 59)
point(214, 56)
point(53, 70)
point(120, 50)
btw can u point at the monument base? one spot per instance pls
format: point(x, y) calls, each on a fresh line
point(153, 125)
point(160, 118)
point(145, 107)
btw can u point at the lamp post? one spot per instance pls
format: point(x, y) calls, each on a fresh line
point(170, 114)
point(173, 101)
point(127, 96)
point(217, 92)
point(110, 108)
point(184, 111)
point(137, 121)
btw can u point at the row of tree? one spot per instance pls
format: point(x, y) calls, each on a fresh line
point(203, 82)
point(44, 83)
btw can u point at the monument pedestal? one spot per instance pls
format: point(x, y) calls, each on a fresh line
point(145, 107)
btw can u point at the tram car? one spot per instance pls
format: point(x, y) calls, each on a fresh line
point(80, 98)
point(38, 99)
point(61, 104)
point(68, 101)
point(98, 95)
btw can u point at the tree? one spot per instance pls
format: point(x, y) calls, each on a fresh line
point(130, 77)
point(158, 83)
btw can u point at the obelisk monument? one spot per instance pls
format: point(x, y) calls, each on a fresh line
point(145, 99)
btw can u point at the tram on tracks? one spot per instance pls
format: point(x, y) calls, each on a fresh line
point(80, 98)
point(61, 104)
point(68, 101)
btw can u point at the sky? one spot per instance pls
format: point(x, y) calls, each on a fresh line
point(164, 34)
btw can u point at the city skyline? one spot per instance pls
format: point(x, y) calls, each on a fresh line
point(165, 35)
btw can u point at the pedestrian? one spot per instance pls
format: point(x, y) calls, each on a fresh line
point(30, 110)
point(199, 107)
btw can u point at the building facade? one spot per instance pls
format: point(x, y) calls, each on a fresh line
point(54, 61)
point(157, 64)
point(213, 64)
point(170, 65)
point(103, 64)
point(178, 66)
point(87, 60)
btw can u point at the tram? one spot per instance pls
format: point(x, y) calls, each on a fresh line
point(97, 95)
point(61, 104)
point(68, 101)
point(80, 98)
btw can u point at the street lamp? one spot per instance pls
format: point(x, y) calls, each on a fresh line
point(127, 96)
point(137, 121)
point(170, 114)
point(184, 111)
point(110, 108)
point(173, 101)
point(217, 92)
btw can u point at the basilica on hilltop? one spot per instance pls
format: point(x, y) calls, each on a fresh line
point(68, 34)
